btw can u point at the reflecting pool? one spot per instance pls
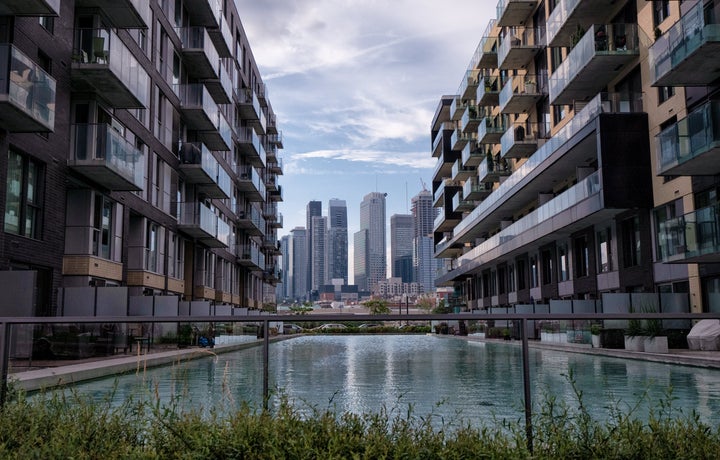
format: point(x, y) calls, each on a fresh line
point(449, 378)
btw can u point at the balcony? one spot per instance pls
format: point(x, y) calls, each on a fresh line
point(104, 65)
point(197, 107)
point(571, 145)
point(514, 12)
point(519, 47)
point(459, 139)
point(490, 171)
point(27, 94)
point(470, 119)
point(460, 172)
point(277, 195)
point(276, 139)
point(474, 190)
point(206, 13)
point(443, 168)
point(691, 238)
point(485, 56)
point(220, 88)
point(104, 156)
point(199, 54)
point(249, 144)
point(277, 222)
point(452, 187)
point(249, 256)
point(447, 218)
point(595, 60)
point(30, 8)
point(462, 205)
point(221, 138)
point(224, 235)
point(468, 85)
point(457, 107)
point(250, 221)
point(441, 142)
point(491, 129)
point(201, 168)
point(222, 37)
point(522, 139)
point(520, 94)
point(262, 93)
point(691, 147)
point(251, 184)
point(472, 154)
point(200, 222)
point(686, 55)
point(488, 94)
point(275, 167)
point(568, 15)
point(249, 106)
point(123, 14)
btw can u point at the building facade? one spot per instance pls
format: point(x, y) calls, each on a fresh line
point(319, 251)
point(573, 160)
point(312, 210)
point(402, 231)
point(337, 247)
point(140, 152)
point(372, 219)
point(297, 265)
point(424, 264)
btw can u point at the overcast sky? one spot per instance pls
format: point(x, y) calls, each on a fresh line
point(354, 84)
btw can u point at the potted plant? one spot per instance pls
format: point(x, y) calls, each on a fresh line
point(634, 336)
point(655, 341)
point(595, 331)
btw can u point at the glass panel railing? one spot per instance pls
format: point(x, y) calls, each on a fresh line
point(487, 45)
point(520, 37)
point(102, 142)
point(523, 131)
point(196, 96)
point(439, 192)
point(694, 234)
point(197, 38)
point(491, 125)
point(225, 131)
point(600, 39)
point(490, 166)
point(27, 85)
point(224, 181)
point(602, 103)
point(250, 98)
point(469, 81)
point(559, 16)
point(690, 137)
point(196, 153)
point(470, 115)
point(195, 214)
point(223, 232)
point(589, 186)
point(103, 47)
point(692, 30)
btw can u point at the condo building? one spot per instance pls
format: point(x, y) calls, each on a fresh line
point(140, 156)
point(575, 159)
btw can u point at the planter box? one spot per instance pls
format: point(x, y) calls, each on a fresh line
point(635, 343)
point(596, 341)
point(656, 345)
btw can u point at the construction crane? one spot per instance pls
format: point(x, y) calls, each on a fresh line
point(423, 185)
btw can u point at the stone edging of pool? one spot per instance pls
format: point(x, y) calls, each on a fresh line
point(52, 377)
point(704, 359)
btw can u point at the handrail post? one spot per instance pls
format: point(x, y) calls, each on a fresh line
point(266, 359)
point(526, 384)
point(4, 351)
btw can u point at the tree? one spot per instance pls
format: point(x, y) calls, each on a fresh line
point(427, 304)
point(300, 309)
point(441, 308)
point(377, 307)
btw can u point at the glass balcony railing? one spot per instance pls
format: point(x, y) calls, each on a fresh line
point(249, 106)
point(470, 119)
point(519, 46)
point(584, 189)
point(695, 235)
point(485, 56)
point(682, 147)
point(123, 14)
point(195, 215)
point(249, 143)
point(608, 47)
point(514, 12)
point(602, 103)
point(457, 107)
point(202, 58)
point(490, 170)
point(207, 13)
point(468, 85)
point(522, 138)
point(691, 44)
point(194, 97)
point(223, 232)
point(105, 156)
point(27, 93)
point(460, 172)
point(102, 61)
point(472, 154)
point(225, 141)
point(488, 91)
point(520, 93)
point(197, 154)
point(491, 129)
point(564, 19)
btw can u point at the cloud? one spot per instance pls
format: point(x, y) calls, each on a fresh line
point(415, 160)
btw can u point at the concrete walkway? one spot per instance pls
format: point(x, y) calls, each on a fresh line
point(50, 377)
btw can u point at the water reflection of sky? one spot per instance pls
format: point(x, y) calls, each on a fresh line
point(446, 377)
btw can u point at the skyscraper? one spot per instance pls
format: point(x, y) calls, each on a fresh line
point(284, 288)
point(318, 242)
point(424, 264)
point(401, 246)
point(360, 242)
point(313, 209)
point(337, 241)
point(298, 263)
point(372, 219)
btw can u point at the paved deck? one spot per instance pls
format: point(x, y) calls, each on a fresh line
point(59, 375)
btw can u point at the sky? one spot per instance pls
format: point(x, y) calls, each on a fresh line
point(354, 85)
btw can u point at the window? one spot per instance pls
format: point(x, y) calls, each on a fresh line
point(151, 247)
point(102, 227)
point(533, 272)
point(670, 231)
point(563, 266)
point(521, 274)
point(48, 23)
point(177, 251)
point(511, 278)
point(631, 242)
point(547, 267)
point(209, 279)
point(665, 93)
point(603, 246)
point(661, 10)
point(559, 113)
point(23, 211)
point(581, 257)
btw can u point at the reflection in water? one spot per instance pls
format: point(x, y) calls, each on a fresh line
point(446, 377)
